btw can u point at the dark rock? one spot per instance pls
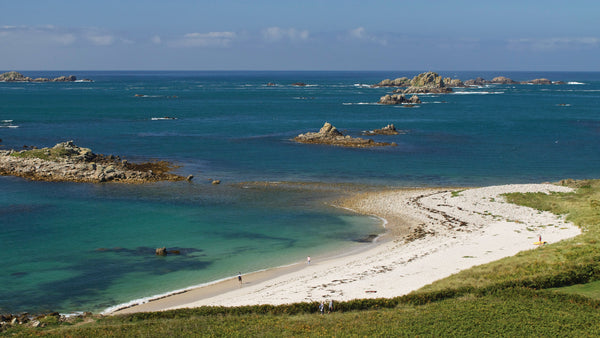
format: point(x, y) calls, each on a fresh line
point(299, 84)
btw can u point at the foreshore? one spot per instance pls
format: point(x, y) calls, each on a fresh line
point(431, 234)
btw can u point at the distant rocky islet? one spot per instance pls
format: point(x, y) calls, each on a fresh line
point(18, 77)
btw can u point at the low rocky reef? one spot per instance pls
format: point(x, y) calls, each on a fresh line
point(66, 162)
point(390, 129)
point(18, 77)
point(331, 136)
point(431, 82)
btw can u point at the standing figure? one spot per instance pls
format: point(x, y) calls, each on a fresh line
point(308, 260)
point(321, 308)
point(330, 306)
point(240, 278)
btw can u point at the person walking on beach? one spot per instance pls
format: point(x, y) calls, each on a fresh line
point(321, 308)
point(240, 278)
point(308, 260)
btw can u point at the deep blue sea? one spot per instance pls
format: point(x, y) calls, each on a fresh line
point(86, 247)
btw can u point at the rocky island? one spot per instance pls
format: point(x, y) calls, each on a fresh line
point(18, 77)
point(66, 162)
point(331, 136)
point(431, 82)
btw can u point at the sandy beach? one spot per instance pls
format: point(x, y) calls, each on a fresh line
point(431, 234)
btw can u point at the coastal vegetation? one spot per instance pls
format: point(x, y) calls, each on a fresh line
point(530, 294)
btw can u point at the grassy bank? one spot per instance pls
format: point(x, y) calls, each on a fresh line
point(530, 294)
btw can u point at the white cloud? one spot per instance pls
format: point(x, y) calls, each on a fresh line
point(360, 33)
point(43, 35)
point(219, 39)
point(554, 43)
point(101, 40)
point(274, 34)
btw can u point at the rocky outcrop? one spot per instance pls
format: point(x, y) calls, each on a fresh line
point(399, 99)
point(502, 80)
point(541, 81)
point(476, 82)
point(429, 82)
point(66, 162)
point(505, 80)
point(390, 129)
point(427, 90)
point(299, 84)
point(18, 77)
point(453, 83)
point(331, 136)
point(428, 79)
point(399, 82)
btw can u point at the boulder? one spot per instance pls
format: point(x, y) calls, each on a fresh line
point(161, 251)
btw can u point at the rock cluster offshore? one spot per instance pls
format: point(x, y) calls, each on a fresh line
point(18, 77)
point(68, 162)
point(330, 135)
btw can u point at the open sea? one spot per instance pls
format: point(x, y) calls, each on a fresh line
point(87, 247)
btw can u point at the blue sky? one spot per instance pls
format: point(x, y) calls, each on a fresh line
point(299, 35)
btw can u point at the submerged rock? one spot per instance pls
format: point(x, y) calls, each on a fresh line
point(328, 134)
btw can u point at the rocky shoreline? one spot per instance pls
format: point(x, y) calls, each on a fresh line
point(66, 162)
point(329, 135)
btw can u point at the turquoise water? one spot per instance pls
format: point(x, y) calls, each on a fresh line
point(81, 247)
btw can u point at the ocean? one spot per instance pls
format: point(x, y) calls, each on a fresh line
point(87, 247)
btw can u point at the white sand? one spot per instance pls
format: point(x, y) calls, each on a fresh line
point(459, 232)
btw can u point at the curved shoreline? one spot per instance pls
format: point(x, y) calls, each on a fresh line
point(432, 234)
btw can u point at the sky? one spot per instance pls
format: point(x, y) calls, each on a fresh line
point(545, 35)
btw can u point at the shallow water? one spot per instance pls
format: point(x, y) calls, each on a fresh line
point(81, 247)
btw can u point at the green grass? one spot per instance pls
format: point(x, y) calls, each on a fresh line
point(48, 154)
point(550, 291)
point(591, 290)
